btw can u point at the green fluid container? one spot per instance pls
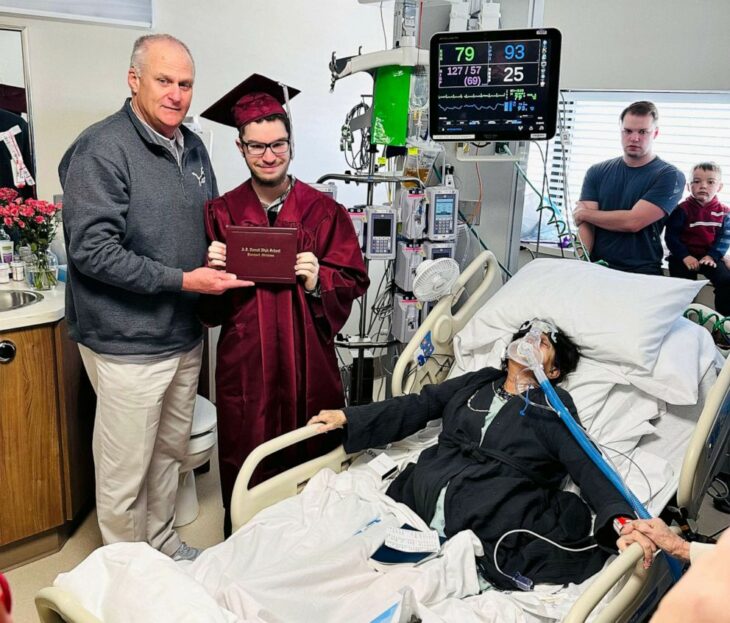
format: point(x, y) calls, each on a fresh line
point(390, 105)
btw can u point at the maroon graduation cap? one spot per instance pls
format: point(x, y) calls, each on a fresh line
point(255, 98)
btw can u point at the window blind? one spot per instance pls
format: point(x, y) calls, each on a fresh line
point(122, 12)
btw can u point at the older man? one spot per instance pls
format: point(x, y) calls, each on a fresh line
point(134, 188)
point(624, 201)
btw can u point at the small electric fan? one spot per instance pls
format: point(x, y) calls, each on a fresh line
point(435, 278)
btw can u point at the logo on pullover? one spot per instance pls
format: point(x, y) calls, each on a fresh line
point(200, 177)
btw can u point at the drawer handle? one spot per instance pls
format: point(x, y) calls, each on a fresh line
point(7, 351)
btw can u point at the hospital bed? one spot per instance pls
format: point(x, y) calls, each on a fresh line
point(623, 591)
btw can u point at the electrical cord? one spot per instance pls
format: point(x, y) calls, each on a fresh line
point(561, 226)
point(521, 581)
point(359, 159)
point(382, 23)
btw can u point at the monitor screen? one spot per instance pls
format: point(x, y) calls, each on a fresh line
point(445, 205)
point(494, 85)
point(381, 226)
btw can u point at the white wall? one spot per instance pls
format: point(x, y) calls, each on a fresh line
point(643, 44)
point(78, 73)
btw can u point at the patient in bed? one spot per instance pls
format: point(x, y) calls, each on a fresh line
point(498, 467)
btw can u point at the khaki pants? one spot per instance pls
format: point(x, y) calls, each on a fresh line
point(144, 414)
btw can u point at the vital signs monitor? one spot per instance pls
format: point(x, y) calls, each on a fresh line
point(494, 85)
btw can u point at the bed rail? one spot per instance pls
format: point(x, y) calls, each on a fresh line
point(54, 605)
point(707, 445)
point(640, 588)
point(245, 502)
point(628, 565)
point(440, 327)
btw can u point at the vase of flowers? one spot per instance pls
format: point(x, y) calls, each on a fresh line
point(33, 223)
point(42, 270)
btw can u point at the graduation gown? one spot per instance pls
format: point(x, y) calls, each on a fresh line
point(511, 479)
point(276, 364)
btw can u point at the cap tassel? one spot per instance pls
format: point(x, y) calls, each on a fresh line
point(291, 121)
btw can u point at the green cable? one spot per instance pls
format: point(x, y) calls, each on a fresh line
point(718, 326)
point(560, 225)
point(481, 242)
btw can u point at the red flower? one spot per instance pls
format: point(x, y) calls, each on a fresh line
point(31, 220)
point(8, 194)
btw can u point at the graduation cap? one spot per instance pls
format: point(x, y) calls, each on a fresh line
point(255, 98)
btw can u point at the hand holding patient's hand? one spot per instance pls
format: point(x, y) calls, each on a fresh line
point(653, 534)
point(330, 418)
point(211, 281)
point(629, 536)
point(217, 255)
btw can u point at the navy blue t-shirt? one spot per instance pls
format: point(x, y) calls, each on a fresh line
point(617, 186)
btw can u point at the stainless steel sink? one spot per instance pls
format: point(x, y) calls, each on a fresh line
point(15, 299)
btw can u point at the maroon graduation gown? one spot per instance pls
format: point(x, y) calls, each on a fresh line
point(276, 365)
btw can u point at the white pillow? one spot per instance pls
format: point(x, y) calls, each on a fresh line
point(613, 316)
point(687, 352)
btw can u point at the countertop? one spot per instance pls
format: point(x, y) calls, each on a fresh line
point(50, 309)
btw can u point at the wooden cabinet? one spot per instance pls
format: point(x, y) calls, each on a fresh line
point(46, 420)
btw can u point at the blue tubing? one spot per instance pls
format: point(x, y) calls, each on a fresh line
point(552, 396)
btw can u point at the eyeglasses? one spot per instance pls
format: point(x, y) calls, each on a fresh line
point(278, 148)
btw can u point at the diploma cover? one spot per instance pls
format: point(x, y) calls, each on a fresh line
point(262, 254)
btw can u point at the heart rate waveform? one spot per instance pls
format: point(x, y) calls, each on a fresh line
point(499, 106)
point(506, 106)
point(508, 94)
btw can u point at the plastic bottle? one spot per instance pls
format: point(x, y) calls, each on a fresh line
point(6, 247)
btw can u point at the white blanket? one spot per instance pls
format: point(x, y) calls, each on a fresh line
point(304, 559)
point(307, 559)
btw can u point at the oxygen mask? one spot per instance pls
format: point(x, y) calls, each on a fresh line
point(526, 350)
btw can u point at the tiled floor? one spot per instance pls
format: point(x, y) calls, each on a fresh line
point(207, 530)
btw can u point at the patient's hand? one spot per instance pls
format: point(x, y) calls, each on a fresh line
point(330, 418)
point(217, 255)
point(653, 534)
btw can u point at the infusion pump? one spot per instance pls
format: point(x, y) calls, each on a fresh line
point(443, 212)
point(380, 225)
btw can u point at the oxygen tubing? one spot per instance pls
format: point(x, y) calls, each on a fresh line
point(552, 396)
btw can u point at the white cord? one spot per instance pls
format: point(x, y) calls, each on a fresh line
point(539, 536)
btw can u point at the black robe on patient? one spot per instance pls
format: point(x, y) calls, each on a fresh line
point(511, 480)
